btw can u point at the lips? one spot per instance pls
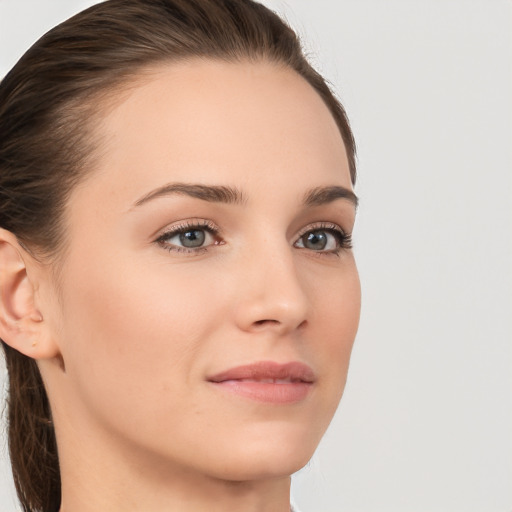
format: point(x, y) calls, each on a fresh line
point(267, 381)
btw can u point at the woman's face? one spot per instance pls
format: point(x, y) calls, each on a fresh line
point(214, 234)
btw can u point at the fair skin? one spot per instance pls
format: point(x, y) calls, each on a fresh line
point(129, 337)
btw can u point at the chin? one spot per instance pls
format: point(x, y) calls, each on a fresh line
point(272, 453)
point(268, 468)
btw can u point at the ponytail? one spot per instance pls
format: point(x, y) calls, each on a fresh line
point(31, 436)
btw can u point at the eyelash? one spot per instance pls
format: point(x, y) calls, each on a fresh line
point(202, 225)
point(344, 240)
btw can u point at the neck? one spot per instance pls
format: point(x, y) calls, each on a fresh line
point(98, 475)
point(203, 496)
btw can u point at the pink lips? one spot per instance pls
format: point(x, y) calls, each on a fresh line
point(266, 381)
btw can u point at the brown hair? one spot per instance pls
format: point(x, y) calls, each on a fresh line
point(48, 103)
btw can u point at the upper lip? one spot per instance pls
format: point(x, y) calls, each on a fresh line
point(263, 370)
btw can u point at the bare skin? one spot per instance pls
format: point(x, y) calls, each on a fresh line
point(139, 322)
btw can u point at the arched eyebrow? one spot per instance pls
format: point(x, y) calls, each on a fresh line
point(232, 195)
point(211, 193)
point(323, 195)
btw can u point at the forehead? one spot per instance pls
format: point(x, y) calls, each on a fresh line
point(218, 122)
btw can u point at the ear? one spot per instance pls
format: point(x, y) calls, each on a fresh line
point(22, 325)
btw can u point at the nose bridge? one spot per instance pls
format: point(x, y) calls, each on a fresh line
point(272, 294)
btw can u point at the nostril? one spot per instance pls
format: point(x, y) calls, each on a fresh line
point(263, 322)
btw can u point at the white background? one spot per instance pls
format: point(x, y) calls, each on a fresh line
point(426, 421)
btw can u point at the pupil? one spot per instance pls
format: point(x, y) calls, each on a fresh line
point(316, 240)
point(193, 238)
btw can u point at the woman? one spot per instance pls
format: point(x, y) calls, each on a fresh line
point(179, 297)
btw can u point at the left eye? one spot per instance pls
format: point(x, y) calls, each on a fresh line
point(321, 240)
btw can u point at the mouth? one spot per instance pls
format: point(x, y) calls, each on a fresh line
point(267, 381)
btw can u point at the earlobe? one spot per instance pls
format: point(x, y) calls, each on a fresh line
point(22, 325)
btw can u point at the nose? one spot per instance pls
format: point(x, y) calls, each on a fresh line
point(271, 296)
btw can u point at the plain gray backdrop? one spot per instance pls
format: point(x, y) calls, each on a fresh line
point(426, 421)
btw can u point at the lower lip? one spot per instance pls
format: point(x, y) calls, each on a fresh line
point(269, 392)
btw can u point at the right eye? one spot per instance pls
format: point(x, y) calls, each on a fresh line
point(189, 237)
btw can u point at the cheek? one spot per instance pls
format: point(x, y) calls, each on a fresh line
point(345, 308)
point(132, 331)
point(336, 315)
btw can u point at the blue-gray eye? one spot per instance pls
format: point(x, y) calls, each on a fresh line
point(315, 240)
point(321, 240)
point(188, 238)
point(192, 238)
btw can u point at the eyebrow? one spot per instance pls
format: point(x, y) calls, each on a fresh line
point(232, 195)
point(323, 195)
point(211, 193)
